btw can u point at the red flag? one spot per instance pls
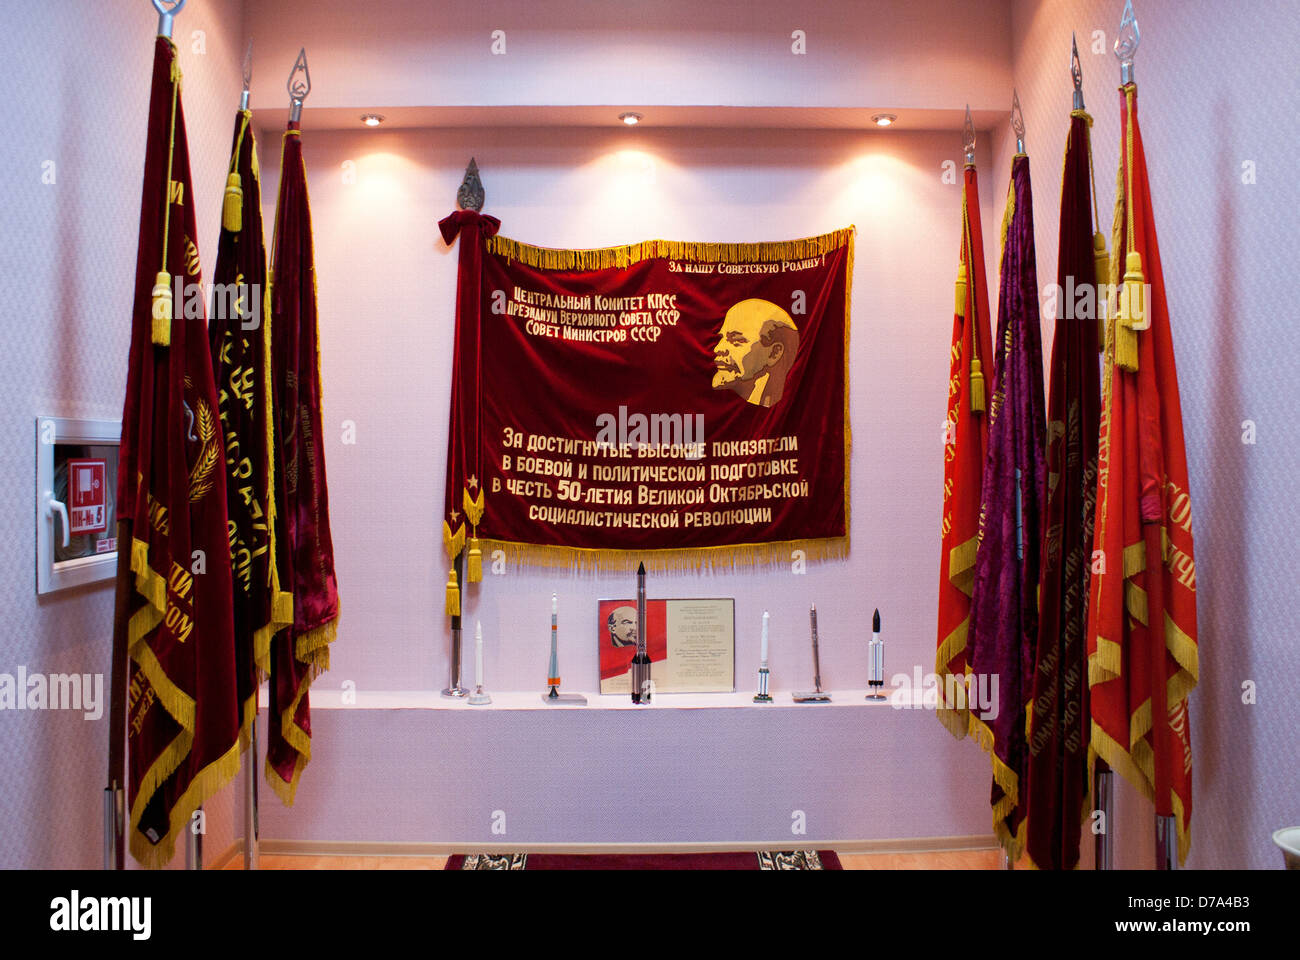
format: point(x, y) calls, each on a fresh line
point(1142, 646)
point(300, 652)
point(182, 709)
point(1058, 718)
point(240, 340)
point(965, 446)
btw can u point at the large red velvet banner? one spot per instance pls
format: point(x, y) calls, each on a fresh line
point(677, 403)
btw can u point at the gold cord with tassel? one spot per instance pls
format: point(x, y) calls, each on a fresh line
point(453, 594)
point(1132, 313)
point(1100, 256)
point(232, 208)
point(162, 307)
point(454, 542)
point(161, 328)
point(474, 557)
point(961, 290)
point(976, 386)
point(1101, 266)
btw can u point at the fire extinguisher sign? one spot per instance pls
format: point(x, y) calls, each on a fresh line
point(87, 496)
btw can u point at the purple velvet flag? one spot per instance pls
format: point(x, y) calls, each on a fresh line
point(1004, 605)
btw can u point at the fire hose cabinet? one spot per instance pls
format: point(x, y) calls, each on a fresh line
point(76, 487)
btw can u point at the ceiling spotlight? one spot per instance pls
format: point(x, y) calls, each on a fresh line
point(631, 119)
point(372, 119)
point(884, 119)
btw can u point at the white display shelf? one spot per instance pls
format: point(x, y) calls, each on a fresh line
point(331, 699)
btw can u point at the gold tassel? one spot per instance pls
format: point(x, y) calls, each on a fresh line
point(162, 309)
point(1101, 264)
point(474, 565)
point(961, 291)
point(1132, 314)
point(232, 210)
point(453, 594)
point(976, 386)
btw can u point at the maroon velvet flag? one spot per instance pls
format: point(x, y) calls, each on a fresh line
point(1004, 605)
point(182, 707)
point(465, 500)
point(240, 338)
point(673, 403)
point(300, 652)
point(1058, 719)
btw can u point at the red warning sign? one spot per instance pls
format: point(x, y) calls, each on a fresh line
point(87, 496)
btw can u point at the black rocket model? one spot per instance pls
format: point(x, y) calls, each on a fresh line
point(641, 662)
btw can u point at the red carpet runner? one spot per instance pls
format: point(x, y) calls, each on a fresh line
point(764, 860)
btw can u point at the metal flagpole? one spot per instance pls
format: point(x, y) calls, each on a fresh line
point(469, 196)
point(114, 793)
point(251, 851)
point(251, 838)
point(1104, 797)
point(454, 688)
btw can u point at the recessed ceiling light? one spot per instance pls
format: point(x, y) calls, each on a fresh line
point(372, 119)
point(884, 119)
point(631, 119)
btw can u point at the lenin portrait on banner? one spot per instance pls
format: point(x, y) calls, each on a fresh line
point(757, 344)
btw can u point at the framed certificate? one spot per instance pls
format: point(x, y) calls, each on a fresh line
point(691, 644)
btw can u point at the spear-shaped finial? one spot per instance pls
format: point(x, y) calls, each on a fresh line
point(167, 10)
point(470, 195)
point(1076, 73)
point(1126, 42)
point(298, 87)
point(248, 75)
point(1017, 121)
point(968, 136)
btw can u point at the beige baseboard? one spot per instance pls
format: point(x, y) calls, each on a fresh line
point(364, 848)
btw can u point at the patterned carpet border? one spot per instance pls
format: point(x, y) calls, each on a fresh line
point(762, 860)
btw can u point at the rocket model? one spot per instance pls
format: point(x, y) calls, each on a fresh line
point(641, 662)
point(553, 672)
point(876, 677)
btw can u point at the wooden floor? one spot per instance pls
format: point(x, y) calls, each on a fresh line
point(945, 860)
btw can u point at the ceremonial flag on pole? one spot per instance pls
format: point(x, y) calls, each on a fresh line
point(240, 339)
point(1004, 604)
point(182, 709)
point(1142, 645)
point(465, 498)
point(1058, 716)
point(964, 451)
point(300, 652)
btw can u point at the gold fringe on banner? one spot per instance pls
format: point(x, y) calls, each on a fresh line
point(603, 258)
